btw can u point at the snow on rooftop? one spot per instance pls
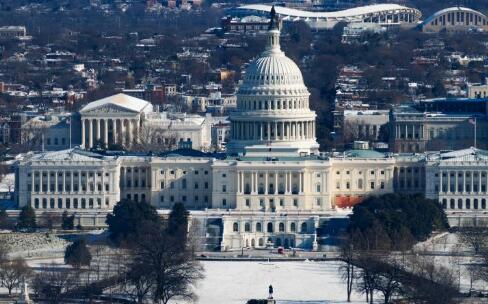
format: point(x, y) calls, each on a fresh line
point(122, 100)
point(68, 154)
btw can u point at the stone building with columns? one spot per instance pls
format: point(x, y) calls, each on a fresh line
point(272, 188)
point(113, 120)
point(458, 179)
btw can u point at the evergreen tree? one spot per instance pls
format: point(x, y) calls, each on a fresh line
point(68, 221)
point(27, 218)
point(395, 221)
point(177, 225)
point(5, 222)
point(127, 218)
point(77, 254)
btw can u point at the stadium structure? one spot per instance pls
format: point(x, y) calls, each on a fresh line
point(455, 19)
point(383, 14)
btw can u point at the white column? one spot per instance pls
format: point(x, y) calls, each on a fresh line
point(98, 124)
point(266, 182)
point(300, 182)
point(79, 181)
point(55, 181)
point(48, 181)
point(105, 131)
point(90, 135)
point(114, 131)
point(129, 130)
point(456, 188)
point(70, 181)
point(276, 183)
point(83, 126)
point(464, 181)
point(40, 182)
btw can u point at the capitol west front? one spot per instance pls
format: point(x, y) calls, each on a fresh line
point(272, 188)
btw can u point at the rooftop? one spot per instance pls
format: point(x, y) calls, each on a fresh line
point(121, 100)
point(349, 13)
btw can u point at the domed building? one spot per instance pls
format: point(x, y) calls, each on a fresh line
point(273, 115)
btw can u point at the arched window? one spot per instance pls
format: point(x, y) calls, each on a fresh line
point(468, 203)
point(270, 227)
point(258, 227)
point(483, 203)
point(460, 203)
point(235, 227)
point(444, 203)
point(453, 203)
point(253, 243)
point(247, 227)
point(36, 203)
point(293, 227)
point(304, 227)
point(475, 203)
point(261, 242)
point(282, 227)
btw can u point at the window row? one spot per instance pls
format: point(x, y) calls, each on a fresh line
point(270, 227)
point(69, 203)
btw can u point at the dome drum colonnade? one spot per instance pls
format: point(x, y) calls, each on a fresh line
point(272, 103)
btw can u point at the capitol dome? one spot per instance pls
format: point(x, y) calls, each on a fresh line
point(273, 114)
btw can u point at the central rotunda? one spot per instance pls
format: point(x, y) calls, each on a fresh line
point(273, 117)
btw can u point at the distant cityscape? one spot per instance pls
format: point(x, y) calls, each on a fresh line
point(269, 123)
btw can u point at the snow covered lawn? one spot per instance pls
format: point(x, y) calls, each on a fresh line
point(293, 282)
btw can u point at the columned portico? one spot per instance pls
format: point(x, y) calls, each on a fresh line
point(112, 120)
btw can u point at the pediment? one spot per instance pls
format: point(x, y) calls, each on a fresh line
point(108, 109)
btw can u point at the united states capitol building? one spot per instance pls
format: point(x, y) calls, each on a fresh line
point(273, 186)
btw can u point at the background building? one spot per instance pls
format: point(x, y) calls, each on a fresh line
point(455, 19)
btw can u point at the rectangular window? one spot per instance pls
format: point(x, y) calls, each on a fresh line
point(162, 185)
point(224, 202)
point(295, 202)
point(248, 202)
point(224, 188)
point(372, 185)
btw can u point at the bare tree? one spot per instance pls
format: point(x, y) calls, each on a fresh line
point(13, 273)
point(368, 276)
point(429, 282)
point(53, 283)
point(475, 237)
point(347, 269)
point(154, 139)
point(171, 267)
point(389, 279)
